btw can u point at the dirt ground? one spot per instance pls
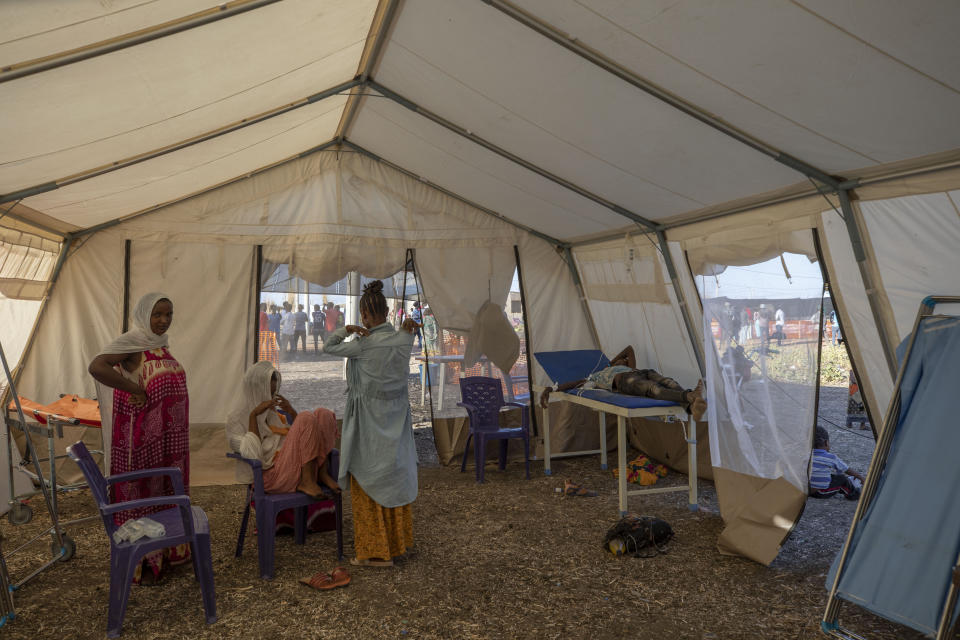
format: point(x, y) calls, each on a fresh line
point(511, 558)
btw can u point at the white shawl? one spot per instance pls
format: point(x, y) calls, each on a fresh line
point(140, 338)
point(256, 389)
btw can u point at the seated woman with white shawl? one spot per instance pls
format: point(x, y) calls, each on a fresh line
point(294, 458)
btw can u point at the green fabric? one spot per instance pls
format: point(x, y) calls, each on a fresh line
point(377, 445)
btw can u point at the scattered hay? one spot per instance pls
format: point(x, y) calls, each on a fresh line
point(507, 559)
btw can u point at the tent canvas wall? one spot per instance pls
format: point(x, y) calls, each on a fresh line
point(343, 132)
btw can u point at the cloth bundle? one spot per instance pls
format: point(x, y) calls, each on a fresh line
point(639, 536)
point(643, 471)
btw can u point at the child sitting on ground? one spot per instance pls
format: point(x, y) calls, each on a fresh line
point(831, 475)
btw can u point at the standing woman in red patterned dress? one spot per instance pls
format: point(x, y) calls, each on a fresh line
point(145, 415)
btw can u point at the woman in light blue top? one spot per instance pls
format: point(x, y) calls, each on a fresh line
point(377, 450)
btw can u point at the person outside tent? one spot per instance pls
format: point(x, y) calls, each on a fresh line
point(829, 475)
point(287, 324)
point(746, 324)
point(267, 339)
point(317, 328)
point(330, 319)
point(377, 448)
point(300, 328)
point(341, 320)
point(144, 408)
point(834, 328)
point(778, 322)
point(417, 316)
point(763, 326)
point(275, 321)
point(431, 332)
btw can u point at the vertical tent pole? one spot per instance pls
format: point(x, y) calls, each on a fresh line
point(258, 284)
point(125, 318)
point(526, 338)
point(682, 302)
point(568, 258)
point(836, 307)
point(412, 262)
point(855, 231)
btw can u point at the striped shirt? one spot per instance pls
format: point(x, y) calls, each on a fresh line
point(604, 378)
point(825, 464)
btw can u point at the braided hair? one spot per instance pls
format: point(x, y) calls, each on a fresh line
point(372, 301)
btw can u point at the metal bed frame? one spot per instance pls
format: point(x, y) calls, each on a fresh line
point(672, 412)
point(62, 547)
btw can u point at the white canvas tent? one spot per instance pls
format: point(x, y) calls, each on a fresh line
point(622, 147)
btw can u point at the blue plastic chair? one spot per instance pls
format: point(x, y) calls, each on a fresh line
point(268, 505)
point(483, 398)
point(184, 524)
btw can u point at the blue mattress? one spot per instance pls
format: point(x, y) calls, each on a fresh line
point(567, 366)
point(619, 399)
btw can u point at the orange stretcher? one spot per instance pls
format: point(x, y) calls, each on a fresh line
point(71, 409)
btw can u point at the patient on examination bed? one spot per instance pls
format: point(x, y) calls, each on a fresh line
point(622, 376)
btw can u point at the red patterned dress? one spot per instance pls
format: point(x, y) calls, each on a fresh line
point(153, 436)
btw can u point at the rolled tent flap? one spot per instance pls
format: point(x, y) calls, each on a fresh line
point(26, 263)
point(758, 513)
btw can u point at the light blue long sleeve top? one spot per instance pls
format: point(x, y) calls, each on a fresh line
point(376, 445)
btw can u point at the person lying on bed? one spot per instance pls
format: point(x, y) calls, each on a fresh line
point(622, 376)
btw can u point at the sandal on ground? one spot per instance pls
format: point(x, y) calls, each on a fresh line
point(570, 488)
point(367, 562)
point(323, 581)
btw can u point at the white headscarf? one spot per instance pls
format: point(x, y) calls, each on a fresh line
point(256, 389)
point(141, 337)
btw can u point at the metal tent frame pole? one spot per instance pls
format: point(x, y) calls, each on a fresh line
point(169, 28)
point(858, 242)
point(575, 274)
point(387, 11)
point(839, 185)
point(526, 338)
point(176, 146)
point(503, 153)
point(682, 302)
point(490, 212)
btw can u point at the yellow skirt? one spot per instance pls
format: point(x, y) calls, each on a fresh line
point(379, 532)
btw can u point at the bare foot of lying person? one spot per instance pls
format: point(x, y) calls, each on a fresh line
point(698, 406)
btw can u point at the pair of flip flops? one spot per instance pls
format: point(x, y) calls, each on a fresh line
point(323, 581)
point(570, 488)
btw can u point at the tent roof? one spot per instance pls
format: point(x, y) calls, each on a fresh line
point(570, 118)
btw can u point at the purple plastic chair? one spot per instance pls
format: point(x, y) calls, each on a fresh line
point(185, 524)
point(268, 505)
point(483, 398)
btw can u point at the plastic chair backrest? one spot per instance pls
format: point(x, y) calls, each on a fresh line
point(79, 453)
point(485, 395)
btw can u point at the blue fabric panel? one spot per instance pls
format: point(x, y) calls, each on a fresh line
point(903, 550)
point(619, 399)
point(567, 366)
